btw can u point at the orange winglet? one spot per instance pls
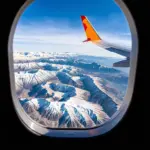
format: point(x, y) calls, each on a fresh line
point(91, 34)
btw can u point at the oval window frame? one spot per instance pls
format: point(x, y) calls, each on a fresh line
point(38, 129)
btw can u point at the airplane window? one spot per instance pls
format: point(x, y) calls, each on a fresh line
point(71, 64)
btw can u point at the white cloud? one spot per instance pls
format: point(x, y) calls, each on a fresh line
point(49, 36)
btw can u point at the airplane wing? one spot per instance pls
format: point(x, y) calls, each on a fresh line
point(93, 37)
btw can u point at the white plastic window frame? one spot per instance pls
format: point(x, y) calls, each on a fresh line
point(38, 129)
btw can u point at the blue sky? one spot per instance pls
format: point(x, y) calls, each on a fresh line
point(55, 25)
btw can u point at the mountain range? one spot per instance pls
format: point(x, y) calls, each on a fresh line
point(65, 90)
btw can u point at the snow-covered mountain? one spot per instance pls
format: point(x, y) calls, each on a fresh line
point(67, 90)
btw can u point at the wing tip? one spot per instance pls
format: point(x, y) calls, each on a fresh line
point(83, 17)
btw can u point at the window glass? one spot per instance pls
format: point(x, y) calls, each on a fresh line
point(71, 62)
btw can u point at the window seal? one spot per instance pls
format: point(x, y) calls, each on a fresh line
point(38, 129)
